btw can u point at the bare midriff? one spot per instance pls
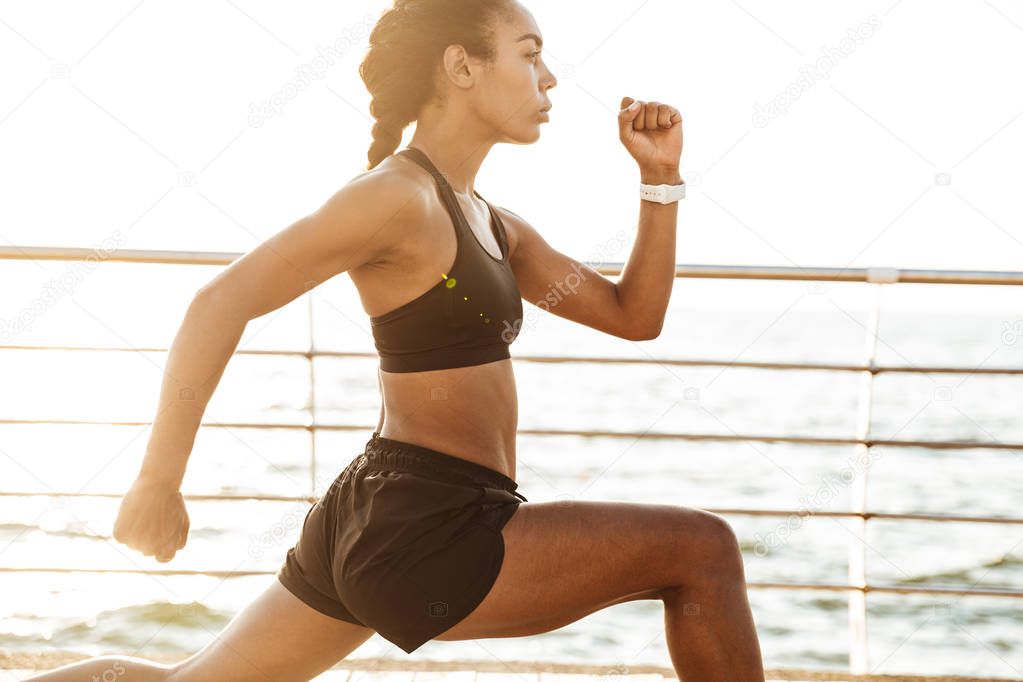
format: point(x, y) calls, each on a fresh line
point(468, 412)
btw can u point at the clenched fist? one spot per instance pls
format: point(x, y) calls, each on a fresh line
point(652, 133)
point(152, 519)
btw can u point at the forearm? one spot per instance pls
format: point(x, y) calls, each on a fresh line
point(196, 361)
point(646, 282)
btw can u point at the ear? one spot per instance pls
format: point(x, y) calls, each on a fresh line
point(458, 67)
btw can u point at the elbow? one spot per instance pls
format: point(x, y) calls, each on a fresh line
point(637, 330)
point(649, 336)
point(643, 333)
point(209, 301)
point(204, 297)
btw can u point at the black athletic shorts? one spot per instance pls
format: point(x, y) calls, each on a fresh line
point(406, 541)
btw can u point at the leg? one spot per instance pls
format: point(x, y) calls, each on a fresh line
point(107, 668)
point(565, 561)
point(276, 637)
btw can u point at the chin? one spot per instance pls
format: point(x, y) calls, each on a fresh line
point(527, 136)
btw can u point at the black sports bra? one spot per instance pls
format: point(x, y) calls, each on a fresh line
point(470, 317)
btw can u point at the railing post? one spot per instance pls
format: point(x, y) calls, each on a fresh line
point(859, 661)
point(312, 398)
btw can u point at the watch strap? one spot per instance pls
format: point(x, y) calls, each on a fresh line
point(662, 194)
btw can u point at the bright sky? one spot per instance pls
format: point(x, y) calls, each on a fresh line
point(898, 145)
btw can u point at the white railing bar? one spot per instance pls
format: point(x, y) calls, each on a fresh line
point(146, 256)
point(199, 497)
point(736, 511)
point(610, 360)
point(894, 589)
point(867, 274)
point(880, 275)
point(637, 435)
point(831, 587)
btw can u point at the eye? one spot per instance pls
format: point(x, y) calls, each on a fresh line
point(534, 55)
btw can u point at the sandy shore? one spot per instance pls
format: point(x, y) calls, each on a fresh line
point(47, 659)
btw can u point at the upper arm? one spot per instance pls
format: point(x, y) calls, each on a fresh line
point(563, 285)
point(355, 226)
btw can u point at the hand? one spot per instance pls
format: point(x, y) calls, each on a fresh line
point(152, 519)
point(652, 134)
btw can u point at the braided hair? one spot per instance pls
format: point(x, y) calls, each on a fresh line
point(405, 47)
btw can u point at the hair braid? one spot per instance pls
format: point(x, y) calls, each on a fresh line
point(405, 46)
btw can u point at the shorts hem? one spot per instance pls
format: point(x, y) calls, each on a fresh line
point(313, 599)
point(482, 588)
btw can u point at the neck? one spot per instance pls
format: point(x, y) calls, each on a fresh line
point(456, 144)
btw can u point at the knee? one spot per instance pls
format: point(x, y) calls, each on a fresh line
point(183, 671)
point(722, 540)
point(710, 549)
point(178, 673)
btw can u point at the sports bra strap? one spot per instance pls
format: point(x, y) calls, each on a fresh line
point(448, 193)
point(423, 160)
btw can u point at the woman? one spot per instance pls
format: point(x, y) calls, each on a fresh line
point(424, 536)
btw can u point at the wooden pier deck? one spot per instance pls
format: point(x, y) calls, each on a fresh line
point(17, 665)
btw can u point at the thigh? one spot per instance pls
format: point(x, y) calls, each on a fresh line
point(563, 561)
point(276, 637)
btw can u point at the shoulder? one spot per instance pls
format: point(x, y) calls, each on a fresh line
point(517, 229)
point(390, 186)
point(378, 205)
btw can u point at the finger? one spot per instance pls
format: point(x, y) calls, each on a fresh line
point(629, 114)
point(630, 107)
point(167, 550)
point(651, 115)
point(124, 526)
point(664, 116)
point(153, 538)
point(639, 122)
point(183, 536)
point(121, 533)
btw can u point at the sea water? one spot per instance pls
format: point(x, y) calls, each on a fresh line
point(141, 614)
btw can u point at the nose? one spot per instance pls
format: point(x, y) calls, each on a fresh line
point(552, 80)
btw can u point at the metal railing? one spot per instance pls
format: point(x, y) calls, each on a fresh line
point(857, 585)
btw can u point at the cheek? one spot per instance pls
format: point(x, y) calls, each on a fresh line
point(514, 91)
point(521, 97)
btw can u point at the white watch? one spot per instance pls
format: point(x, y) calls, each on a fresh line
point(662, 194)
